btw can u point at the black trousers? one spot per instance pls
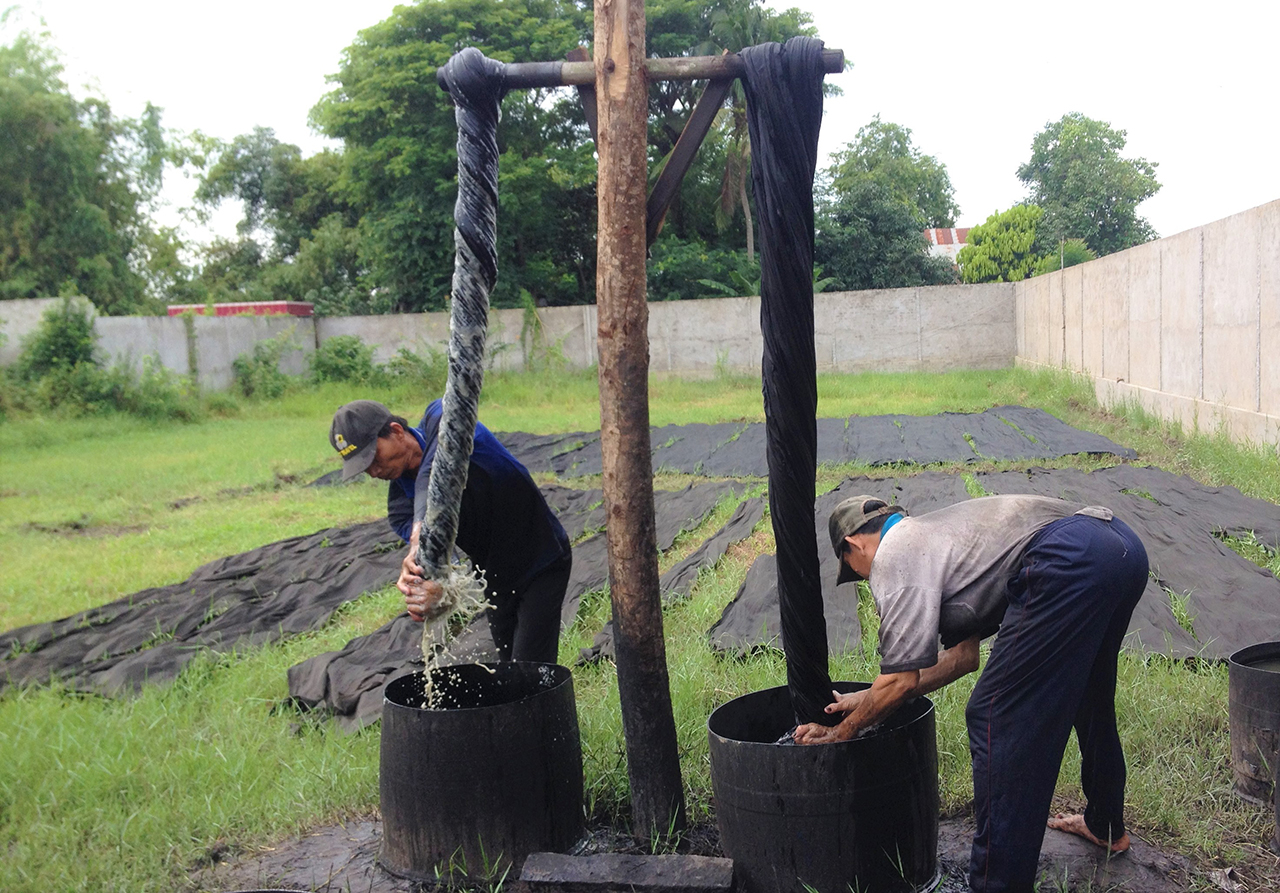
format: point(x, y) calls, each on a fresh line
point(526, 624)
point(1053, 666)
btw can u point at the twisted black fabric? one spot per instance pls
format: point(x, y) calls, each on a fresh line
point(476, 85)
point(783, 85)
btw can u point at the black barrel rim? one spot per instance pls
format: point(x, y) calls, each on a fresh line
point(395, 692)
point(842, 687)
point(1249, 653)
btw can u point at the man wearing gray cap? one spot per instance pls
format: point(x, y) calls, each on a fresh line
point(1059, 582)
point(504, 524)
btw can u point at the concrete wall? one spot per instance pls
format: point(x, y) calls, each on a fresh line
point(1187, 326)
point(931, 329)
point(130, 338)
point(220, 339)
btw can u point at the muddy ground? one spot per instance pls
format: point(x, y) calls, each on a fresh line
point(342, 858)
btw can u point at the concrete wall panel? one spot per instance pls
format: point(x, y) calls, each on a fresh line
point(1112, 283)
point(1269, 310)
point(1037, 299)
point(220, 339)
point(966, 326)
point(1093, 303)
point(1181, 313)
point(1144, 316)
point(700, 336)
point(573, 331)
point(413, 331)
point(865, 331)
point(130, 338)
point(1231, 310)
point(1073, 318)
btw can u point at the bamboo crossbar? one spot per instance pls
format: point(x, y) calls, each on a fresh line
point(525, 75)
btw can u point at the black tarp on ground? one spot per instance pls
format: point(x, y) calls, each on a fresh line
point(241, 601)
point(677, 583)
point(274, 591)
point(736, 449)
point(1233, 602)
point(347, 683)
point(752, 619)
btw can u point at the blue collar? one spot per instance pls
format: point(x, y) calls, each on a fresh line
point(888, 525)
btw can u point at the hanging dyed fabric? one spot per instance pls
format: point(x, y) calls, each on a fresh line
point(476, 85)
point(783, 85)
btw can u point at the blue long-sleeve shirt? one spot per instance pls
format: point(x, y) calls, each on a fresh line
point(504, 525)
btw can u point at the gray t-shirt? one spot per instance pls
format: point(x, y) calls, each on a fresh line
point(947, 573)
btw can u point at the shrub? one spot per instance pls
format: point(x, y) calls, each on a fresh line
point(59, 371)
point(64, 339)
point(424, 373)
point(343, 358)
point(678, 270)
point(1070, 252)
point(258, 374)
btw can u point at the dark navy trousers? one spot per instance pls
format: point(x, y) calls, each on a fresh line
point(1053, 666)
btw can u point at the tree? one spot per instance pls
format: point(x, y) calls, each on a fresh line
point(882, 151)
point(1087, 190)
point(1003, 249)
point(736, 24)
point(399, 164)
point(1070, 252)
point(297, 239)
point(870, 237)
point(76, 189)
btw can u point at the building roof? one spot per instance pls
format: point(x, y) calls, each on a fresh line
point(947, 236)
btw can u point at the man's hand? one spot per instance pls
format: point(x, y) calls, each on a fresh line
point(816, 733)
point(420, 594)
point(862, 708)
point(845, 703)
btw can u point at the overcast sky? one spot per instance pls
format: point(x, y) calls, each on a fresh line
point(1194, 92)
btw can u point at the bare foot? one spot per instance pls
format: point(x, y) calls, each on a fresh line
point(1074, 824)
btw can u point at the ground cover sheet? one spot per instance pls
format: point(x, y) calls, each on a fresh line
point(294, 585)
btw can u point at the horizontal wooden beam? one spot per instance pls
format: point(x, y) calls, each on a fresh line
point(526, 75)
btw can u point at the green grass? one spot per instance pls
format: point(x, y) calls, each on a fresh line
point(106, 795)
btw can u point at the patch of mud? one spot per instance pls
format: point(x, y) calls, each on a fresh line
point(83, 526)
point(343, 857)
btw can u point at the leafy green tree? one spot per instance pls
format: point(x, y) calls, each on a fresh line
point(736, 24)
point(399, 164)
point(1003, 249)
point(882, 152)
point(76, 187)
point(297, 239)
point(867, 236)
point(1070, 252)
point(285, 196)
point(1087, 189)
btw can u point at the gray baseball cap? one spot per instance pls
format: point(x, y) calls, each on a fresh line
point(354, 434)
point(848, 518)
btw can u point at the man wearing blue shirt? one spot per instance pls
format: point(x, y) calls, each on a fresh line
point(504, 524)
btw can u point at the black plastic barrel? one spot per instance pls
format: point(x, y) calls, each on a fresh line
point(471, 789)
point(1254, 713)
point(859, 814)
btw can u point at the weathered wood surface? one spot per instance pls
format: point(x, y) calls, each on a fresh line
point(653, 764)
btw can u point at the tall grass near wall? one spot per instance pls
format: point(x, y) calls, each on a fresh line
point(134, 794)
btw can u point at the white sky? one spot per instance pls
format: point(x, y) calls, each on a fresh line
point(1192, 85)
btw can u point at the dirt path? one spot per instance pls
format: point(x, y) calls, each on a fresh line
point(342, 859)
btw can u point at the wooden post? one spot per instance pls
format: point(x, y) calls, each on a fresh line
point(653, 763)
